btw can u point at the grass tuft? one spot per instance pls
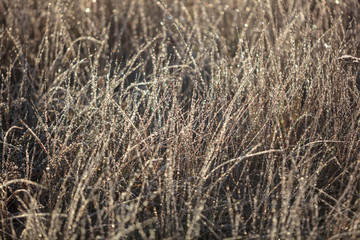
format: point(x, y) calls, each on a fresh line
point(179, 119)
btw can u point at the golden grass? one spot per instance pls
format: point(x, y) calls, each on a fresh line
point(179, 119)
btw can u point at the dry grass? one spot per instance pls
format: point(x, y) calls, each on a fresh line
point(179, 119)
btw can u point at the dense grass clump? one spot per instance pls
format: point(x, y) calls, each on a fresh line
point(177, 119)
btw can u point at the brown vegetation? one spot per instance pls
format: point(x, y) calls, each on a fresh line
point(176, 119)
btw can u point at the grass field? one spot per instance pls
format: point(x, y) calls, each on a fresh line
point(194, 119)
